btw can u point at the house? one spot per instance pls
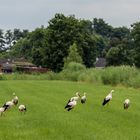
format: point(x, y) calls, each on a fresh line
point(100, 62)
point(32, 69)
point(19, 65)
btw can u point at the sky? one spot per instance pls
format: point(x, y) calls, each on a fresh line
point(30, 14)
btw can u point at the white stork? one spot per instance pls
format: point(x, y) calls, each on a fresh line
point(108, 98)
point(22, 108)
point(76, 98)
point(126, 103)
point(15, 99)
point(83, 98)
point(71, 105)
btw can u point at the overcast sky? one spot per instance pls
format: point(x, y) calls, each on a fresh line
point(30, 14)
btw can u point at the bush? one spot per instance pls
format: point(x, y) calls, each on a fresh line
point(73, 66)
point(2, 76)
point(91, 75)
point(118, 75)
point(72, 71)
point(134, 82)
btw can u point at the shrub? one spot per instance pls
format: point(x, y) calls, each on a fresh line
point(73, 66)
point(72, 71)
point(118, 75)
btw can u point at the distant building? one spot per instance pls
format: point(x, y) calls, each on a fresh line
point(19, 65)
point(32, 69)
point(5, 65)
point(100, 62)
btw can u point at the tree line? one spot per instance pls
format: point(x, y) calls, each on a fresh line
point(49, 46)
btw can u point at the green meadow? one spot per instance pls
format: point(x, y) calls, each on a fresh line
point(46, 118)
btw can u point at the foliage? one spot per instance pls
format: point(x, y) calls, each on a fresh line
point(136, 39)
point(2, 41)
point(120, 33)
point(118, 75)
point(21, 49)
point(62, 32)
point(74, 66)
point(73, 55)
point(72, 71)
point(117, 56)
point(9, 38)
point(102, 28)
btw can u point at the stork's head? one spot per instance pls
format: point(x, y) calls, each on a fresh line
point(85, 93)
point(112, 91)
point(77, 94)
point(127, 101)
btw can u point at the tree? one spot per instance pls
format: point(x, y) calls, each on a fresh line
point(120, 33)
point(136, 45)
point(73, 55)
point(31, 46)
point(2, 41)
point(61, 33)
point(119, 55)
point(22, 49)
point(102, 28)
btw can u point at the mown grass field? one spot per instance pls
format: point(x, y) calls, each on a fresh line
point(46, 118)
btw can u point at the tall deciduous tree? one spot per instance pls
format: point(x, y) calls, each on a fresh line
point(62, 32)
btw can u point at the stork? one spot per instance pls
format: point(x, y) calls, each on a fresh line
point(22, 108)
point(76, 98)
point(83, 98)
point(108, 98)
point(15, 99)
point(71, 105)
point(126, 103)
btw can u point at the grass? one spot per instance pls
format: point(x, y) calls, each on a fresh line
point(46, 118)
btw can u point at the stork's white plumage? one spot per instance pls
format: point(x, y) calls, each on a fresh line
point(8, 104)
point(108, 98)
point(15, 99)
point(22, 108)
point(2, 110)
point(76, 98)
point(83, 98)
point(71, 105)
point(126, 103)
